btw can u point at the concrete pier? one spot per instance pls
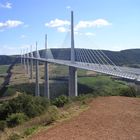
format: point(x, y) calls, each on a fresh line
point(27, 67)
point(24, 63)
point(46, 73)
point(73, 81)
point(46, 83)
point(31, 64)
point(31, 68)
point(37, 88)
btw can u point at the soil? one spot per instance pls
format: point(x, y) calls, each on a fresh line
point(108, 118)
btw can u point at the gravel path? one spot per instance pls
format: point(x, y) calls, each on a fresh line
point(108, 118)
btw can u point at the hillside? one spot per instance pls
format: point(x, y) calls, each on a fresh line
point(6, 60)
point(125, 57)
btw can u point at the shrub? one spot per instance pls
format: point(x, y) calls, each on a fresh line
point(29, 105)
point(14, 136)
point(16, 119)
point(10, 92)
point(60, 101)
point(5, 110)
point(53, 113)
point(3, 125)
point(129, 92)
point(29, 131)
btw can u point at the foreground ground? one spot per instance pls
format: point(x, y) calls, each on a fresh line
point(108, 118)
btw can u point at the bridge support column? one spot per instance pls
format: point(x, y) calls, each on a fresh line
point(46, 74)
point(31, 69)
point(24, 63)
point(72, 81)
point(46, 86)
point(37, 89)
point(27, 67)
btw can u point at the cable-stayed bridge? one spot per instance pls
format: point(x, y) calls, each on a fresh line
point(94, 60)
point(88, 60)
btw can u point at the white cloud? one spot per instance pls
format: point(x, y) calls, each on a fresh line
point(68, 7)
point(94, 23)
point(62, 29)
point(90, 34)
point(62, 26)
point(10, 24)
point(7, 5)
point(57, 23)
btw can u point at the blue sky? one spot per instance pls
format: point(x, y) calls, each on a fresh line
point(99, 24)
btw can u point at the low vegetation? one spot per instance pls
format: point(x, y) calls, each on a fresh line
point(20, 109)
point(60, 101)
point(103, 85)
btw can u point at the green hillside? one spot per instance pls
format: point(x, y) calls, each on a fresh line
point(6, 60)
point(129, 57)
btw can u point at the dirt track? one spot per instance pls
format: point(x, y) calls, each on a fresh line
point(109, 118)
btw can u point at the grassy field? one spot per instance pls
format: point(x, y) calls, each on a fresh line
point(3, 69)
point(103, 85)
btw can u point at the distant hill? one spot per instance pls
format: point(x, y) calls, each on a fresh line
point(6, 60)
point(130, 57)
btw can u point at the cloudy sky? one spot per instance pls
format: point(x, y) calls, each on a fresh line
point(99, 24)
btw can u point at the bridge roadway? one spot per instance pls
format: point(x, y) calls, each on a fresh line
point(123, 72)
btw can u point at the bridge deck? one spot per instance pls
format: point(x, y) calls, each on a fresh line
point(123, 72)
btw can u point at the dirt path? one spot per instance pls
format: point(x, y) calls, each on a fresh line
point(109, 118)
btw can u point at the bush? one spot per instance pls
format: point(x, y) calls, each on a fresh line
point(60, 101)
point(128, 92)
point(3, 125)
point(14, 136)
point(16, 119)
point(10, 92)
point(29, 105)
point(53, 113)
point(29, 131)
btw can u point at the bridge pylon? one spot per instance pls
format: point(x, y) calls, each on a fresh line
point(46, 74)
point(27, 63)
point(31, 64)
point(37, 88)
point(72, 70)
